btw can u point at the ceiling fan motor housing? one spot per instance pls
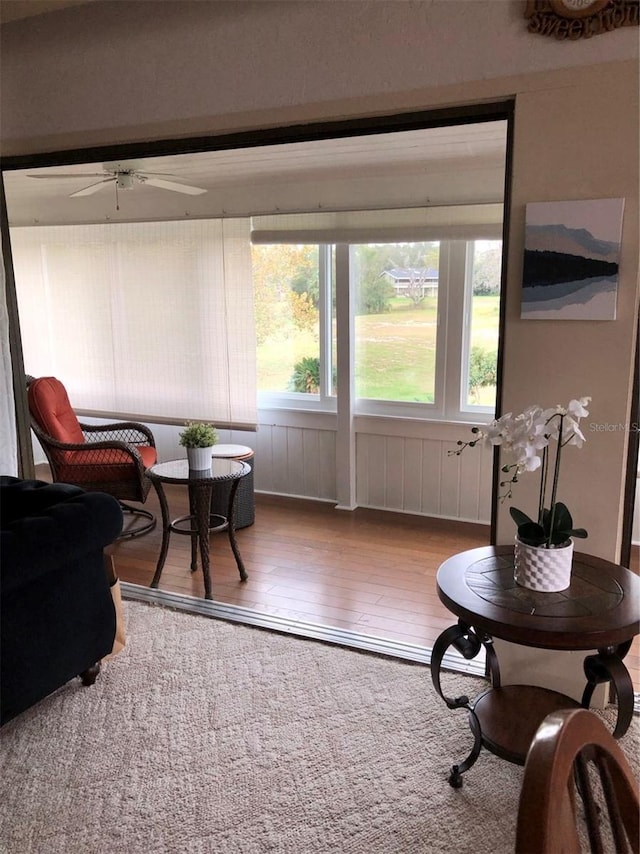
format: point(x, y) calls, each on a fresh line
point(124, 180)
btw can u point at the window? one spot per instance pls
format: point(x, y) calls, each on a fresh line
point(396, 322)
point(425, 309)
point(425, 332)
point(295, 323)
point(482, 325)
point(426, 327)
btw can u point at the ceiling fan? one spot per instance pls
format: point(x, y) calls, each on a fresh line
point(123, 178)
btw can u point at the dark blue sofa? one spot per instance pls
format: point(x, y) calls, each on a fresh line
point(57, 618)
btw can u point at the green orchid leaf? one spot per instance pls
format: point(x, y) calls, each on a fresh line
point(532, 534)
point(519, 517)
point(562, 520)
point(578, 532)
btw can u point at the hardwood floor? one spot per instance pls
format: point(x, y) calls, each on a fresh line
point(368, 571)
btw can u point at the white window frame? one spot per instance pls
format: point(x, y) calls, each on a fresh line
point(476, 411)
point(324, 401)
point(455, 285)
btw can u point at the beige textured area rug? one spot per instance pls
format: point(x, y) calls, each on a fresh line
point(205, 736)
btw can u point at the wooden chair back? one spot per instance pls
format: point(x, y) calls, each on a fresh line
point(578, 785)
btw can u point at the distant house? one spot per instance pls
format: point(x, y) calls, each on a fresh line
point(413, 281)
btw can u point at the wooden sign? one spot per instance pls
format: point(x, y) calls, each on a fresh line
point(580, 19)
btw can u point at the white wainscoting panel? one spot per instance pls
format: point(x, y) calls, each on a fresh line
point(417, 476)
point(295, 461)
point(401, 465)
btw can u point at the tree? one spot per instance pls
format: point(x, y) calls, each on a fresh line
point(303, 312)
point(278, 270)
point(417, 259)
point(306, 279)
point(487, 266)
point(375, 291)
point(482, 370)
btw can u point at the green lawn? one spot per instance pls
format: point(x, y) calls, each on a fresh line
point(395, 351)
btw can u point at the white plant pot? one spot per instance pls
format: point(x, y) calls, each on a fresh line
point(199, 458)
point(547, 570)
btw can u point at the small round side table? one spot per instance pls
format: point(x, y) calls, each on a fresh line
point(200, 521)
point(600, 610)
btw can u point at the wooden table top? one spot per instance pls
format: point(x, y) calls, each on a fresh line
point(600, 608)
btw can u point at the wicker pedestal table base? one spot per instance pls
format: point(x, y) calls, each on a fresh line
point(245, 502)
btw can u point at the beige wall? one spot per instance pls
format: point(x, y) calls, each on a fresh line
point(107, 73)
point(574, 141)
point(125, 70)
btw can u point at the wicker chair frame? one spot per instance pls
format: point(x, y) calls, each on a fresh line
point(113, 448)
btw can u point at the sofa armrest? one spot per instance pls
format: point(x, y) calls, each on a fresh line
point(51, 535)
point(20, 498)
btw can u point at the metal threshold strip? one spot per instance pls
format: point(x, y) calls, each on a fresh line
point(299, 628)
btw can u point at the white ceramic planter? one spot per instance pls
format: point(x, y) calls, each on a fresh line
point(199, 458)
point(547, 570)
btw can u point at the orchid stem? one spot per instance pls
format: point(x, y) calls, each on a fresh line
point(554, 489)
point(543, 483)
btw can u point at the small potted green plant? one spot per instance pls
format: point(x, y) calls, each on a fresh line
point(198, 438)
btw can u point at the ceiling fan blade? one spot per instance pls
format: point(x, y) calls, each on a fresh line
point(71, 175)
point(156, 174)
point(91, 189)
point(170, 185)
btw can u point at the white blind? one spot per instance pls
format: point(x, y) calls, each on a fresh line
point(442, 222)
point(149, 319)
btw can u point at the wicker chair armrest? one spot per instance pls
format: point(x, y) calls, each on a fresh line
point(114, 445)
point(130, 432)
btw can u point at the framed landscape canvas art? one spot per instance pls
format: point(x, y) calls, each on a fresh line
point(571, 255)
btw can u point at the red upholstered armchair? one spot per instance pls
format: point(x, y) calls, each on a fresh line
point(109, 458)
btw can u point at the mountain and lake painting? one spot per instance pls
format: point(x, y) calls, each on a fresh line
point(571, 260)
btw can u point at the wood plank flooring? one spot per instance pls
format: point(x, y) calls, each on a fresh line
point(366, 571)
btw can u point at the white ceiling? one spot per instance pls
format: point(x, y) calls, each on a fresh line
point(430, 166)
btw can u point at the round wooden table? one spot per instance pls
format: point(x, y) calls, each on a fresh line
point(600, 610)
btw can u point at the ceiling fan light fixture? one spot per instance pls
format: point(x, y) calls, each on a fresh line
point(124, 180)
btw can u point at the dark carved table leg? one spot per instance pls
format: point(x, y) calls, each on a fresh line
point(90, 675)
point(166, 532)
point(469, 644)
point(607, 666)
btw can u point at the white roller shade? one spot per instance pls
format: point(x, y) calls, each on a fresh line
point(444, 222)
point(152, 320)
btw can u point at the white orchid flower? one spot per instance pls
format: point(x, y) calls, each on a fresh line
point(526, 437)
point(577, 408)
point(529, 460)
point(572, 434)
point(491, 435)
